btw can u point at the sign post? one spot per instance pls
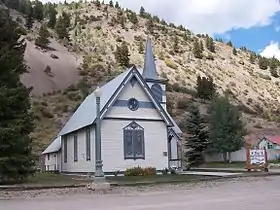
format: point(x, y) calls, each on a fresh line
point(256, 159)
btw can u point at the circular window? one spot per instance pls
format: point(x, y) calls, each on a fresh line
point(133, 104)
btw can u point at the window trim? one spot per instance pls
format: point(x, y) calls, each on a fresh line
point(133, 130)
point(88, 145)
point(75, 147)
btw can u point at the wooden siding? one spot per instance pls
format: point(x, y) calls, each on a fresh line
point(54, 161)
point(82, 165)
point(112, 145)
point(138, 93)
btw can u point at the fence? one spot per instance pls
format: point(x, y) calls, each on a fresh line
point(240, 155)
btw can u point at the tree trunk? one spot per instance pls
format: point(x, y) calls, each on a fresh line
point(225, 157)
point(229, 157)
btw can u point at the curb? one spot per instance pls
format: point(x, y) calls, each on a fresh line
point(144, 183)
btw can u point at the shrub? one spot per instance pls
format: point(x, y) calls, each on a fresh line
point(170, 64)
point(182, 104)
point(138, 171)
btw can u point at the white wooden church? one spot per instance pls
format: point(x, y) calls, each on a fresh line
point(136, 129)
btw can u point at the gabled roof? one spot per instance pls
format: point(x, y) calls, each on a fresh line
point(53, 147)
point(85, 115)
point(273, 139)
point(86, 112)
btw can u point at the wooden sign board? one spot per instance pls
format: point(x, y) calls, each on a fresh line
point(256, 159)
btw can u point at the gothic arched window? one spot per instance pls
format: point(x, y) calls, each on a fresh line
point(133, 139)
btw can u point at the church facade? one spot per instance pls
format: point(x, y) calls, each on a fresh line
point(136, 129)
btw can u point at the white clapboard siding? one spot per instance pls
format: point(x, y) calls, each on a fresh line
point(82, 165)
point(112, 145)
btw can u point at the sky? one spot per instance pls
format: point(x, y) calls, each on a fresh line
point(254, 24)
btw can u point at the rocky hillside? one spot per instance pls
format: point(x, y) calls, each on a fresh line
point(61, 77)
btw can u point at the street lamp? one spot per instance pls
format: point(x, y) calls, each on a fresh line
point(99, 174)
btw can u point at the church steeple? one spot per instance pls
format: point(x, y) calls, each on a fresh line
point(149, 71)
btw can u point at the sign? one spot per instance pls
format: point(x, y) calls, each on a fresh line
point(257, 156)
point(256, 159)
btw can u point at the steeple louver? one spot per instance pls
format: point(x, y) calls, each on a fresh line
point(149, 71)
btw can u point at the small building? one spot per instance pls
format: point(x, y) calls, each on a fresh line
point(269, 142)
point(136, 128)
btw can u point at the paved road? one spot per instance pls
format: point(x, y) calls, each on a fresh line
point(257, 194)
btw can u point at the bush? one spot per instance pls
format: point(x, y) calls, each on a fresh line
point(170, 64)
point(138, 171)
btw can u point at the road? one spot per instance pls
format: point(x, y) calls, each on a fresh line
point(257, 194)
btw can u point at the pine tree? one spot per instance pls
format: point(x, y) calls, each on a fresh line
point(197, 140)
point(122, 54)
point(117, 5)
point(252, 58)
point(226, 127)
point(16, 121)
point(42, 41)
point(197, 51)
point(205, 88)
point(52, 16)
point(229, 43)
point(234, 51)
point(176, 44)
point(142, 12)
point(111, 4)
point(141, 47)
point(61, 29)
point(38, 10)
point(29, 22)
point(210, 44)
point(263, 63)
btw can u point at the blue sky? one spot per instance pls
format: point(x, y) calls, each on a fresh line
point(251, 23)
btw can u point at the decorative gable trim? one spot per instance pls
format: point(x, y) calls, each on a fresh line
point(133, 72)
point(171, 131)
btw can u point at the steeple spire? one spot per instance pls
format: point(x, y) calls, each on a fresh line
point(149, 71)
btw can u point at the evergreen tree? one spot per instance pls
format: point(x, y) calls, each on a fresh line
point(226, 128)
point(133, 18)
point(142, 12)
point(176, 44)
point(197, 140)
point(263, 63)
point(111, 4)
point(205, 88)
point(117, 5)
point(229, 43)
point(61, 29)
point(66, 19)
point(122, 54)
point(201, 45)
point(16, 121)
point(141, 47)
point(252, 58)
point(210, 44)
point(52, 16)
point(97, 4)
point(197, 51)
point(29, 22)
point(42, 41)
point(38, 11)
point(234, 51)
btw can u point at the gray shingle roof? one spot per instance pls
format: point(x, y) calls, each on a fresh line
point(86, 113)
point(54, 146)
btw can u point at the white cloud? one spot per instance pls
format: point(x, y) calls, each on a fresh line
point(209, 16)
point(277, 28)
point(271, 50)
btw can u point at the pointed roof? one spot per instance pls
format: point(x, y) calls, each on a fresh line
point(149, 71)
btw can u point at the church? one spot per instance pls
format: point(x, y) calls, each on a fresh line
point(136, 129)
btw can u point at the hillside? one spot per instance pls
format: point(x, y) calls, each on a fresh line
point(88, 59)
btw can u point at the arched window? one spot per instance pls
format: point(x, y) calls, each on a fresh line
point(157, 92)
point(133, 138)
